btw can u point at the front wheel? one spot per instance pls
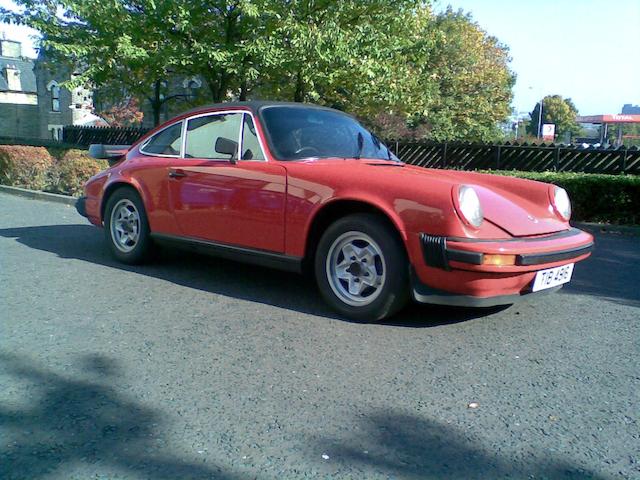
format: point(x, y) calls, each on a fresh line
point(126, 227)
point(361, 268)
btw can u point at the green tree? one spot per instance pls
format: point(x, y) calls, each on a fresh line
point(441, 75)
point(343, 54)
point(472, 80)
point(557, 110)
point(457, 79)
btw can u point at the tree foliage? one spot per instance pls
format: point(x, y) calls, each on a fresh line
point(124, 114)
point(557, 110)
point(630, 134)
point(440, 75)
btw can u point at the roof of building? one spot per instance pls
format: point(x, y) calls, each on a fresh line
point(608, 119)
point(27, 75)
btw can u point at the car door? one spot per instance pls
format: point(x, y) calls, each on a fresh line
point(150, 168)
point(222, 189)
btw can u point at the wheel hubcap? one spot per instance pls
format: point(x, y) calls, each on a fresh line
point(356, 268)
point(125, 225)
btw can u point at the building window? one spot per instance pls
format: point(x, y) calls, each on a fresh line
point(55, 98)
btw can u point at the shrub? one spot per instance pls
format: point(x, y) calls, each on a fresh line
point(594, 197)
point(25, 166)
point(71, 170)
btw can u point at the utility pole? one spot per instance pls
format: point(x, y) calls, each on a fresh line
point(540, 117)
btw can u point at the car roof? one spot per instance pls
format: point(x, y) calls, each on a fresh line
point(255, 105)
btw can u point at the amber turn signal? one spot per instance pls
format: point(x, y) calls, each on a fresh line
point(498, 259)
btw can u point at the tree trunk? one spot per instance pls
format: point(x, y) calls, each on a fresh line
point(156, 102)
point(299, 94)
point(217, 84)
point(244, 88)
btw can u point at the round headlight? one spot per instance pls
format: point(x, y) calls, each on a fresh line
point(561, 202)
point(469, 206)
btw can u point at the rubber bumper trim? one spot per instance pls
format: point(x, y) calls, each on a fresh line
point(81, 206)
point(437, 254)
point(549, 257)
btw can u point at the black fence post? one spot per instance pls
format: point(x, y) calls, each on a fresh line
point(624, 160)
point(444, 155)
point(498, 155)
point(556, 163)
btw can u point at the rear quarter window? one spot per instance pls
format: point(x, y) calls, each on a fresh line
point(165, 142)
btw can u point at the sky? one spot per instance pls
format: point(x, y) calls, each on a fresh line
point(587, 50)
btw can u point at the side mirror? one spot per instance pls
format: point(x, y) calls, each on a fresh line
point(227, 147)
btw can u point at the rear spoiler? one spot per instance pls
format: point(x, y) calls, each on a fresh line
point(110, 153)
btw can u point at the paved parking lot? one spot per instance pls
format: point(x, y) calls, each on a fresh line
point(194, 367)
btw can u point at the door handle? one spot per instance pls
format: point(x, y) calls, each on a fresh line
point(176, 174)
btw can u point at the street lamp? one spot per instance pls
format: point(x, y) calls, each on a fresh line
point(539, 113)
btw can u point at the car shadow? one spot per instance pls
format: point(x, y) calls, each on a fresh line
point(401, 445)
point(224, 277)
point(69, 421)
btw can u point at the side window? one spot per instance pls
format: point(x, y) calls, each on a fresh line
point(213, 136)
point(166, 142)
point(250, 146)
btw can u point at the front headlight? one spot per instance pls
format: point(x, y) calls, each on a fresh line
point(561, 203)
point(469, 206)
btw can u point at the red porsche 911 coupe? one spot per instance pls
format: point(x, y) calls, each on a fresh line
point(302, 187)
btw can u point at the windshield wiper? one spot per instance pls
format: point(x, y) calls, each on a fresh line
point(378, 144)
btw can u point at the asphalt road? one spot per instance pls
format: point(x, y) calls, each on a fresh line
point(194, 367)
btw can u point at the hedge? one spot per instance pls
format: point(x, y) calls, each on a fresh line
point(57, 170)
point(71, 170)
point(23, 166)
point(594, 197)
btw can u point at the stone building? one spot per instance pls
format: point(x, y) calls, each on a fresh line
point(33, 102)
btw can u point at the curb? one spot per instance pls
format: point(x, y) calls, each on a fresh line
point(38, 195)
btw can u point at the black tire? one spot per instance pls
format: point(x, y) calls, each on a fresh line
point(393, 291)
point(133, 252)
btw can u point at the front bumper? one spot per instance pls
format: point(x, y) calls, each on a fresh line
point(425, 294)
point(449, 252)
point(459, 271)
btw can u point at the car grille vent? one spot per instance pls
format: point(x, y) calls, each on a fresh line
point(434, 249)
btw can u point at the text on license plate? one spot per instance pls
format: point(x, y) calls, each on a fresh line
point(552, 277)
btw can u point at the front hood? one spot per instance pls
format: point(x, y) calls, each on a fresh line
point(517, 206)
point(520, 207)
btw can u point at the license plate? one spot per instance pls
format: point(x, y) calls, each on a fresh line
point(552, 277)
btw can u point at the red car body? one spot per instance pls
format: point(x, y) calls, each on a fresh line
point(274, 210)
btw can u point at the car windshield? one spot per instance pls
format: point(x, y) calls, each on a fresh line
point(295, 133)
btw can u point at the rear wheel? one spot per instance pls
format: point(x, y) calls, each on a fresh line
point(361, 268)
point(126, 227)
